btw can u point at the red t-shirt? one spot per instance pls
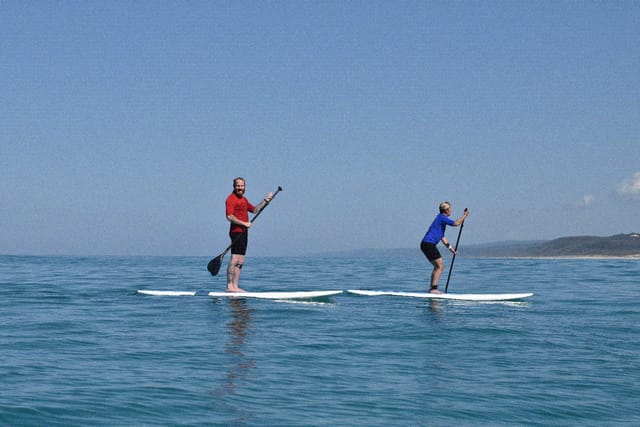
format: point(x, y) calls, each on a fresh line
point(240, 208)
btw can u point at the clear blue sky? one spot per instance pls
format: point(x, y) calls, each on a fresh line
point(122, 124)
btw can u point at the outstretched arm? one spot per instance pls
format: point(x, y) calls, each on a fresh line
point(460, 220)
point(263, 203)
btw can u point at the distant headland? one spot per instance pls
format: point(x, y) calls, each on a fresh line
point(617, 246)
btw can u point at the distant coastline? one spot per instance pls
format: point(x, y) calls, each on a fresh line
point(616, 246)
point(619, 246)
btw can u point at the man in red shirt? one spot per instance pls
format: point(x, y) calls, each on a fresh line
point(237, 209)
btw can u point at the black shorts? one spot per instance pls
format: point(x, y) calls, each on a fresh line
point(430, 251)
point(239, 246)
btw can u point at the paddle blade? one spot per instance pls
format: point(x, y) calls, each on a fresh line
point(214, 265)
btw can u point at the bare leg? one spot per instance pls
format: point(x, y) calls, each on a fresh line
point(438, 268)
point(233, 273)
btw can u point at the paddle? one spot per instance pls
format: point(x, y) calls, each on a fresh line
point(214, 265)
point(454, 255)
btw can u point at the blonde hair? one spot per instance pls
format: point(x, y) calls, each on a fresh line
point(444, 206)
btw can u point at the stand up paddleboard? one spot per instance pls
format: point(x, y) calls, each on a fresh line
point(462, 297)
point(263, 295)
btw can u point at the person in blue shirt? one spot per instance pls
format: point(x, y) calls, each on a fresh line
point(435, 234)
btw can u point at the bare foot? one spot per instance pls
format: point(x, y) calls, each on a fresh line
point(435, 291)
point(235, 290)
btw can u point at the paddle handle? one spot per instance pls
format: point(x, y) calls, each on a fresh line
point(267, 204)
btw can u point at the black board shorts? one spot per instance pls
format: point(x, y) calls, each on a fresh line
point(239, 243)
point(430, 251)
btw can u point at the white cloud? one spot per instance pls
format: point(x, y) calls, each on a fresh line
point(588, 199)
point(630, 187)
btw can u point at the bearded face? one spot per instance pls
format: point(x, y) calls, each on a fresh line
point(239, 187)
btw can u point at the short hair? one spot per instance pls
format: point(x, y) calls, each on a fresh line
point(444, 206)
point(238, 178)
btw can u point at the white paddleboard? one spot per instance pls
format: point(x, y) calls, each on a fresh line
point(463, 297)
point(263, 295)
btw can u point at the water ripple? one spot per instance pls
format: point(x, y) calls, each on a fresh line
point(80, 347)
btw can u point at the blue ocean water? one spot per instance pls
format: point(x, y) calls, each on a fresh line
point(79, 346)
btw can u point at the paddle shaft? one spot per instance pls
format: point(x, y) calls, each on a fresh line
point(454, 257)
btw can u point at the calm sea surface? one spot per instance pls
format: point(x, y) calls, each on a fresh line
point(78, 346)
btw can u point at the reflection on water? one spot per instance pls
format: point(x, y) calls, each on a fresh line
point(434, 305)
point(238, 331)
point(434, 310)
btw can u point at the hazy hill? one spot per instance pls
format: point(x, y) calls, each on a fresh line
point(616, 246)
